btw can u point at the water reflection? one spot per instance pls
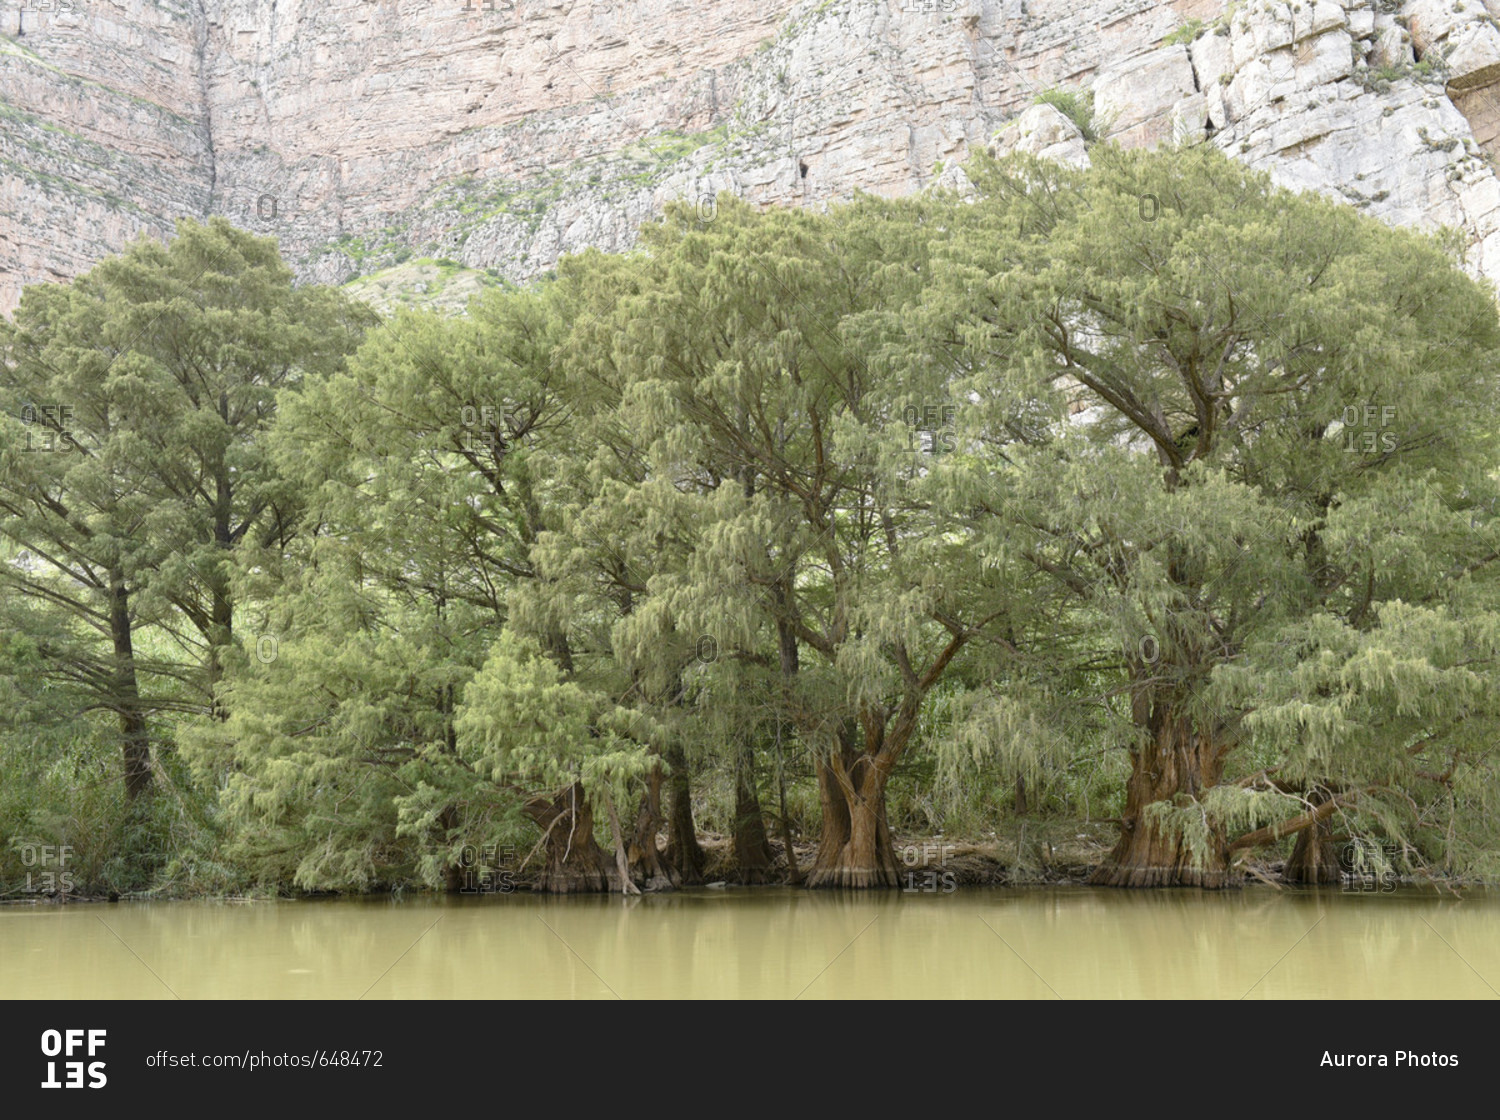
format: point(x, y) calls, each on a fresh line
point(769, 943)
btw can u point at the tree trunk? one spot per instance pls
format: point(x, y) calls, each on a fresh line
point(793, 869)
point(134, 735)
point(622, 858)
point(648, 867)
point(456, 878)
point(1315, 857)
point(786, 640)
point(1020, 794)
point(752, 854)
point(683, 851)
point(855, 848)
point(220, 638)
point(1178, 763)
point(573, 862)
point(221, 610)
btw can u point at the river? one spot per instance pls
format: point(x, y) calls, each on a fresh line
point(1025, 943)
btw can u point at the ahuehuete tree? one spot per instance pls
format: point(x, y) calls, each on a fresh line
point(523, 726)
point(326, 736)
point(602, 568)
point(219, 335)
point(754, 359)
point(135, 470)
point(1249, 433)
point(68, 501)
point(380, 613)
point(49, 744)
point(428, 470)
point(596, 570)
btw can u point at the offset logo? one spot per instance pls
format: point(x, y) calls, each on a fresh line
point(74, 1045)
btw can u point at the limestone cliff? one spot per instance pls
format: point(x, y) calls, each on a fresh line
point(443, 136)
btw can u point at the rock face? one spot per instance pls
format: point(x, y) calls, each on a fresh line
point(1045, 131)
point(498, 134)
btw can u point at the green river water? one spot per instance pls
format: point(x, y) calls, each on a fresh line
point(1026, 943)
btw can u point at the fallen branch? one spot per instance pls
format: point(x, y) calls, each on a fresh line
point(1273, 832)
point(1266, 879)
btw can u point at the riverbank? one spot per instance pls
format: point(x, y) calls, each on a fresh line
point(1041, 853)
point(961, 861)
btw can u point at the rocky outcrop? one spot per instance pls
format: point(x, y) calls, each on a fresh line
point(494, 135)
point(1044, 130)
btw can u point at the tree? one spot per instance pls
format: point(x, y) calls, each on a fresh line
point(756, 376)
point(522, 721)
point(429, 470)
point(598, 561)
point(1249, 433)
point(67, 499)
point(134, 470)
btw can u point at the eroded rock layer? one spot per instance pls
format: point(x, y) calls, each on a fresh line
point(494, 135)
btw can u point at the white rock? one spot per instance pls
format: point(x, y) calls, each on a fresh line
point(1249, 90)
point(1135, 97)
point(1272, 26)
point(506, 140)
point(1323, 60)
point(1431, 20)
point(1189, 116)
point(1044, 130)
point(1211, 57)
point(1392, 48)
point(952, 178)
point(1217, 106)
point(1282, 66)
point(1475, 47)
point(1314, 19)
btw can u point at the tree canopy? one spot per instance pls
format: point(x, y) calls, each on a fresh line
point(1179, 518)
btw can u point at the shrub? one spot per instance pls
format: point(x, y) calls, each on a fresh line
point(1078, 107)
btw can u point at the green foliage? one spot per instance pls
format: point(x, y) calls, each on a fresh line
point(520, 720)
point(62, 791)
point(1429, 69)
point(1244, 529)
point(1078, 107)
point(1038, 490)
point(1184, 33)
point(133, 468)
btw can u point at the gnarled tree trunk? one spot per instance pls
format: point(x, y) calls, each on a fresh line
point(1315, 857)
point(855, 849)
point(1178, 762)
point(789, 660)
point(622, 877)
point(684, 854)
point(649, 868)
point(573, 862)
point(221, 607)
